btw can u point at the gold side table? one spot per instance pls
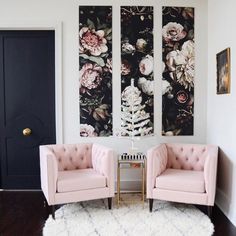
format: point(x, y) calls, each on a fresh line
point(131, 161)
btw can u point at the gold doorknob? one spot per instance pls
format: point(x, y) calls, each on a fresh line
point(27, 132)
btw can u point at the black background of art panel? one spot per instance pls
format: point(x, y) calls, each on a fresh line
point(171, 107)
point(131, 26)
point(104, 91)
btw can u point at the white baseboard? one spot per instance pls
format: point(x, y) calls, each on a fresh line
point(21, 190)
point(223, 202)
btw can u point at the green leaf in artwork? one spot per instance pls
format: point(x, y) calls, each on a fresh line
point(98, 23)
point(84, 109)
point(97, 60)
point(109, 37)
point(107, 31)
point(84, 56)
point(190, 34)
point(90, 24)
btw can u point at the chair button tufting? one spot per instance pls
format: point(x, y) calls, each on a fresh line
point(65, 168)
point(81, 158)
point(176, 158)
point(53, 150)
point(59, 159)
point(64, 149)
point(186, 158)
point(76, 167)
point(192, 149)
point(71, 158)
point(181, 149)
point(197, 159)
point(76, 149)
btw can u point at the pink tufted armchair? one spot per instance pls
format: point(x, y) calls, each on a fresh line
point(76, 172)
point(182, 173)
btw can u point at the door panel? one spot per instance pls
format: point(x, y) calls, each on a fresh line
point(27, 99)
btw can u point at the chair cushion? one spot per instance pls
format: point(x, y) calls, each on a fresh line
point(75, 180)
point(181, 180)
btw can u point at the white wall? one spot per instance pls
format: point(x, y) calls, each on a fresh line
point(221, 125)
point(26, 12)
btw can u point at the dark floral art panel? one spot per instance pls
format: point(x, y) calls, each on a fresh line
point(137, 80)
point(95, 72)
point(178, 56)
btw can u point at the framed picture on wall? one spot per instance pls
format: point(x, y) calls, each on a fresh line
point(223, 71)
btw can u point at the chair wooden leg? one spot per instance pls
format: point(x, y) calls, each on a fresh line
point(53, 211)
point(150, 204)
point(109, 203)
point(209, 211)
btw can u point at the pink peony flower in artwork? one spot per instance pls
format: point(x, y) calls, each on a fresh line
point(182, 97)
point(108, 65)
point(90, 75)
point(146, 65)
point(125, 67)
point(92, 41)
point(87, 131)
point(173, 32)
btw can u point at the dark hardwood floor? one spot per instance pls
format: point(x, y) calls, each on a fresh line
point(22, 213)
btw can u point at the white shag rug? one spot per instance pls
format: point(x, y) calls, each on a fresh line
point(131, 219)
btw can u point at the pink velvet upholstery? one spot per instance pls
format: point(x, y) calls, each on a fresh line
point(76, 180)
point(76, 172)
point(182, 173)
point(181, 180)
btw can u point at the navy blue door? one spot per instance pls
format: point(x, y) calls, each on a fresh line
point(27, 104)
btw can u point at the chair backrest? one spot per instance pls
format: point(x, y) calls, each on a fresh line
point(186, 156)
point(72, 156)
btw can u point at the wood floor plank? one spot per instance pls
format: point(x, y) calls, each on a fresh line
point(23, 213)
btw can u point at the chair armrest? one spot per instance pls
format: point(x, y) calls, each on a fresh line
point(210, 170)
point(48, 173)
point(103, 163)
point(156, 164)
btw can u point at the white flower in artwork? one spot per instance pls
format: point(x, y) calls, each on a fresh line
point(163, 66)
point(141, 44)
point(185, 73)
point(146, 65)
point(166, 87)
point(87, 131)
point(147, 86)
point(175, 58)
point(173, 32)
point(188, 49)
point(127, 48)
point(182, 64)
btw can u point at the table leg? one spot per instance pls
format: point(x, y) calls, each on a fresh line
point(143, 181)
point(118, 184)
